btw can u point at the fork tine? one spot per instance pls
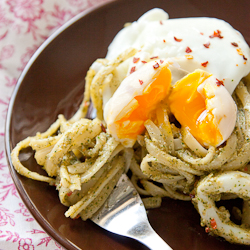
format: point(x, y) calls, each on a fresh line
point(124, 213)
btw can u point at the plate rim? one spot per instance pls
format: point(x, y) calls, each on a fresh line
point(67, 244)
point(8, 147)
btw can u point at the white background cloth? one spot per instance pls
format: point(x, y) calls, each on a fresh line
point(24, 25)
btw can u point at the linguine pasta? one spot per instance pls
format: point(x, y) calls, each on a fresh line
point(84, 161)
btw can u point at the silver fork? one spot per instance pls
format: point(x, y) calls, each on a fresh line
point(123, 213)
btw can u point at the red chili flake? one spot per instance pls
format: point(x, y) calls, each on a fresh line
point(70, 193)
point(154, 57)
point(244, 57)
point(161, 61)
point(213, 223)
point(141, 82)
point(103, 128)
point(77, 217)
point(191, 196)
point(177, 39)
point(161, 22)
point(206, 45)
point(235, 44)
point(207, 230)
point(204, 64)
point(245, 169)
point(136, 59)
point(201, 33)
point(240, 52)
point(143, 61)
point(132, 70)
point(188, 50)
point(86, 104)
point(164, 40)
point(217, 33)
point(219, 82)
point(156, 66)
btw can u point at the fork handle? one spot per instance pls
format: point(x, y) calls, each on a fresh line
point(150, 238)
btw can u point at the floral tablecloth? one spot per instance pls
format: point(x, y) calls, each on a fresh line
point(24, 25)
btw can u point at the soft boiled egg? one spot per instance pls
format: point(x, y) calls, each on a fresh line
point(134, 100)
point(191, 64)
point(201, 103)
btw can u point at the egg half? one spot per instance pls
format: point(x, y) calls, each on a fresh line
point(202, 104)
point(135, 99)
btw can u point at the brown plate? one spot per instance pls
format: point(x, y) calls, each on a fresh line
point(53, 83)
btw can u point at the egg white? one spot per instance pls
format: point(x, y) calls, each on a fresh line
point(155, 34)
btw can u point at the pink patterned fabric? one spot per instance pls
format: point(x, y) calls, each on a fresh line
point(24, 25)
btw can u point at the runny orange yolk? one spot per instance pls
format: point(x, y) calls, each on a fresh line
point(132, 123)
point(187, 104)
